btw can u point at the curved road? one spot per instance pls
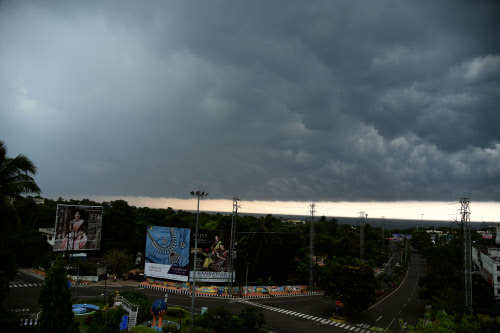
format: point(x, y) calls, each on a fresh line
point(404, 304)
point(283, 314)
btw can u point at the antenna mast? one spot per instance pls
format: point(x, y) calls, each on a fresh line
point(465, 213)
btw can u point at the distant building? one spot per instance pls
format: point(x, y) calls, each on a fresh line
point(485, 234)
point(37, 200)
point(294, 221)
point(319, 260)
point(436, 235)
point(489, 266)
point(49, 233)
point(400, 237)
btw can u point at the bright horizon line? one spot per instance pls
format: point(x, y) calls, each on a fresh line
point(481, 211)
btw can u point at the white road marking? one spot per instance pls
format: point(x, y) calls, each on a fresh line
point(380, 317)
point(309, 317)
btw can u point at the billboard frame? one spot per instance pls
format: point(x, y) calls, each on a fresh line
point(98, 231)
point(162, 270)
point(227, 275)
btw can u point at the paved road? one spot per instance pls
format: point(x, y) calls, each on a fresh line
point(280, 321)
point(287, 314)
point(403, 304)
point(27, 298)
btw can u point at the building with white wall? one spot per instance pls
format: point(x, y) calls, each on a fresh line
point(49, 234)
point(489, 266)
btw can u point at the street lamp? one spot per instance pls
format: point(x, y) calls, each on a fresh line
point(199, 195)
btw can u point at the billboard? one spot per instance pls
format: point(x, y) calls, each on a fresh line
point(167, 253)
point(78, 228)
point(213, 258)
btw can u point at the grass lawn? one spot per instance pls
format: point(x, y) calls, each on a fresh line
point(142, 329)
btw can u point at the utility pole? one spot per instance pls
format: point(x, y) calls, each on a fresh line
point(233, 242)
point(465, 213)
point(199, 195)
point(311, 247)
point(383, 227)
point(246, 281)
point(364, 218)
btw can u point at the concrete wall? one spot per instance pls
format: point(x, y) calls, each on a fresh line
point(489, 268)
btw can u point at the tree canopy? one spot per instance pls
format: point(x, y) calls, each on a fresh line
point(55, 302)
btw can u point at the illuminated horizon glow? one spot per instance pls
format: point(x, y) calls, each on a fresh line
point(481, 211)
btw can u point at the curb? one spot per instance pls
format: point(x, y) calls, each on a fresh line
point(188, 292)
point(358, 328)
point(391, 293)
point(32, 274)
point(78, 284)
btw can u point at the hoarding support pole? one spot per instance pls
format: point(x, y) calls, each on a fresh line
point(246, 281)
point(232, 246)
point(198, 195)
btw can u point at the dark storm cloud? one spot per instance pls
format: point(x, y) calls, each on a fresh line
point(327, 100)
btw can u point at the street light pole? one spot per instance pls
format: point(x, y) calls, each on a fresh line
point(199, 195)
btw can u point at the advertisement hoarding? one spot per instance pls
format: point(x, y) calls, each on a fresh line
point(78, 228)
point(213, 260)
point(167, 253)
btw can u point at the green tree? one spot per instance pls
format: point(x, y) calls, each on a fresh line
point(118, 262)
point(15, 179)
point(106, 321)
point(142, 301)
point(55, 302)
point(15, 176)
point(219, 320)
point(443, 322)
point(350, 281)
point(252, 319)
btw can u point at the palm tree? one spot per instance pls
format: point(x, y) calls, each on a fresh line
point(15, 176)
point(15, 179)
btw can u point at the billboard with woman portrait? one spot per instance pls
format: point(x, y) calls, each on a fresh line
point(213, 260)
point(78, 228)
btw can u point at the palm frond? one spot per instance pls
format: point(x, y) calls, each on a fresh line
point(20, 184)
point(15, 175)
point(23, 163)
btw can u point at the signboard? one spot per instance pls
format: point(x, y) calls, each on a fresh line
point(213, 260)
point(167, 253)
point(78, 228)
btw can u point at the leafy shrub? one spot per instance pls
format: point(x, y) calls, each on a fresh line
point(142, 301)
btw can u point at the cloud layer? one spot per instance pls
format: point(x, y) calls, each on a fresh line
point(343, 100)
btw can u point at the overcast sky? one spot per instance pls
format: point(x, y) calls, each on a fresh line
point(269, 100)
